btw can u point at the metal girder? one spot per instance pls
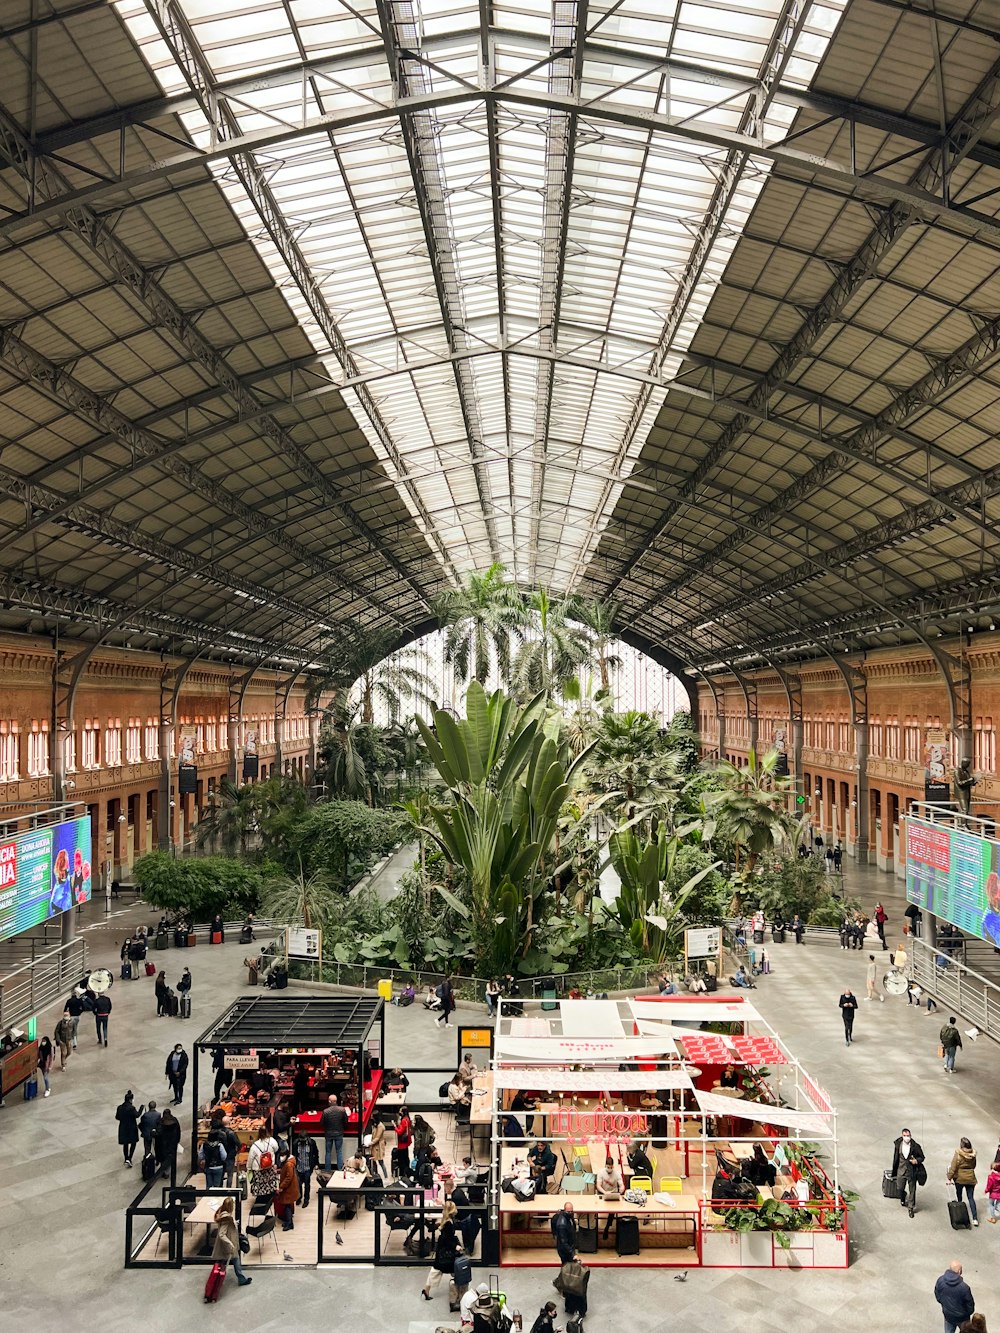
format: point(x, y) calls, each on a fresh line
point(148, 449)
point(125, 267)
point(129, 537)
point(913, 520)
point(862, 445)
point(840, 175)
point(728, 177)
point(191, 61)
point(960, 140)
point(401, 35)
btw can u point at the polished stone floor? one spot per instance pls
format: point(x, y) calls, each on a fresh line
point(64, 1189)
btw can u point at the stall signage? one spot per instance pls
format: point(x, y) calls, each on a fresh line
point(303, 943)
point(703, 943)
point(243, 1061)
point(612, 1126)
point(478, 1037)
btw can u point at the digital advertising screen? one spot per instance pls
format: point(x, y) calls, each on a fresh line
point(956, 876)
point(42, 873)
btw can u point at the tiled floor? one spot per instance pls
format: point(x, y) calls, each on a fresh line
point(63, 1188)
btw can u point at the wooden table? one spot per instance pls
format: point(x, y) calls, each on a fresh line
point(481, 1112)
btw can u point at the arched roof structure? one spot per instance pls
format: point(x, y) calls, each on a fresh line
point(307, 307)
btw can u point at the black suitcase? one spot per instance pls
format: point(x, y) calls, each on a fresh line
point(711, 983)
point(173, 1005)
point(185, 1003)
point(586, 1235)
point(890, 1186)
point(959, 1215)
point(148, 1166)
point(627, 1239)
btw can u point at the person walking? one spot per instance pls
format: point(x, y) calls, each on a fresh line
point(909, 1168)
point(572, 1285)
point(951, 1043)
point(563, 1226)
point(162, 992)
point(445, 1251)
point(148, 1122)
point(226, 1249)
point(214, 1156)
point(376, 1148)
point(954, 1296)
point(230, 1141)
point(446, 994)
point(176, 1072)
point(75, 1007)
point(871, 980)
point(880, 919)
point(962, 1174)
point(167, 1142)
point(848, 1008)
point(545, 1323)
point(993, 1191)
point(102, 1012)
point(128, 1126)
point(306, 1161)
point(45, 1058)
point(334, 1123)
point(64, 1038)
point(838, 858)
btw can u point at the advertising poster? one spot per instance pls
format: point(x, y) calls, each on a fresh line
point(956, 876)
point(43, 872)
point(937, 788)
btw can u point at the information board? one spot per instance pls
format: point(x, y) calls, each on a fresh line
point(301, 942)
point(43, 872)
point(955, 875)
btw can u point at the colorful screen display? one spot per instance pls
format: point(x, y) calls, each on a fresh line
point(42, 873)
point(956, 876)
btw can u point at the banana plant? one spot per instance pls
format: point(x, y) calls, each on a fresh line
point(650, 917)
point(507, 779)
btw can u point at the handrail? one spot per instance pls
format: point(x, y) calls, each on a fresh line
point(366, 976)
point(35, 985)
point(957, 987)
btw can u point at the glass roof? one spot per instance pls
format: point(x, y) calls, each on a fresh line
point(504, 270)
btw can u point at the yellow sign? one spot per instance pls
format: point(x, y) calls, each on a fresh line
point(476, 1037)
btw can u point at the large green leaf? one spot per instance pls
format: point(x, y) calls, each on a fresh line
point(455, 748)
point(453, 902)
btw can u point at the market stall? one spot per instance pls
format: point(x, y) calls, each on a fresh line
point(724, 1148)
point(292, 1052)
point(18, 1059)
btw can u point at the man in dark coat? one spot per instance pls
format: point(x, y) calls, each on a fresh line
point(176, 1072)
point(908, 1168)
point(564, 1230)
point(954, 1296)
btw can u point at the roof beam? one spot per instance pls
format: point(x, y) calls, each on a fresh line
point(192, 62)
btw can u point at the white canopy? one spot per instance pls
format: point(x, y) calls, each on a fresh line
point(816, 1124)
point(548, 1079)
point(701, 1011)
point(564, 1050)
point(591, 1018)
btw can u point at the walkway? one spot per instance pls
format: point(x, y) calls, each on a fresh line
point(64, 1188)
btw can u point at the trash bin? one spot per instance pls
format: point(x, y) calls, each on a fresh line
point(385, 990)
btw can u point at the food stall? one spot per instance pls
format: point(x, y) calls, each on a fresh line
point(740, 1142)
point(18, 1059)
point(295, 1050)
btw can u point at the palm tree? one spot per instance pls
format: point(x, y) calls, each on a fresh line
point(750, 806)
point(292, 900)
point(479, 620)
point(230, 819)
point(599, 618)
point(629, 757)
point(365, 659)
point(555, 654)
point(354, 754)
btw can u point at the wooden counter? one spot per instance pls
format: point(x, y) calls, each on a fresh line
point(17, 1067)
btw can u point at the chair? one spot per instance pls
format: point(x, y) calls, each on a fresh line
point(670, 1184)
point(266, 1228)
point(163, 1224)
point(643, 1183)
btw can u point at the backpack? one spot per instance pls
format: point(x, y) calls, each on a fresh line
point(425, 1176)
point(443, 1089)
point(212, 1153)
point(266, 1161)
point(303, 1159)
point(441, 991)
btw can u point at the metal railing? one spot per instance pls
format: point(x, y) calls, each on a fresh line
point(34, 985)
point(366, 976)
point(956, 987)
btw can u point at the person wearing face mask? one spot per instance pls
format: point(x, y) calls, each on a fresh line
point(908, 1168)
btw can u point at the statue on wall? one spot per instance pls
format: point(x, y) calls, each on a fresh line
point(964, 783)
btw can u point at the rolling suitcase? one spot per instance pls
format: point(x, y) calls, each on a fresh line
point(586, 1235)
point(890, 1186)
point(959, 1215)
point(150, 969)
point(173, 1007)
point(148, 1167)
point(126, 970)
point(192, 940)
point(216, 937)
point(185, 1003)
point(627, 1238)
point(215, 1280)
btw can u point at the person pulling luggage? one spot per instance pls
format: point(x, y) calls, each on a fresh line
point(909, 1168)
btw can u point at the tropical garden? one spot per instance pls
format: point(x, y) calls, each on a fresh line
point(551, 832)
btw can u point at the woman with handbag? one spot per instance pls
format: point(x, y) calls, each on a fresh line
point(229, 1244)
point(445, 1252)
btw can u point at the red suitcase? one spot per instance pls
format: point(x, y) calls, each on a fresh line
point(216, 937)
point(150, 969)
point(215, 1280)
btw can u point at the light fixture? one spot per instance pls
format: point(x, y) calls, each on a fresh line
point(121, 819)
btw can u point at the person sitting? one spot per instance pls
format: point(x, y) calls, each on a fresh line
point(431, 999)
point(638, 1160)
point(458, 1092)
point(522, 1104)
point(696, 985)
point(758, 1169)
point(467, 1070)
point(543, 1165)
point(729, 1078)
point(406, 996)
point(741, 979)
point(665, 985)
point(609, 1179)
point(396, 1081)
